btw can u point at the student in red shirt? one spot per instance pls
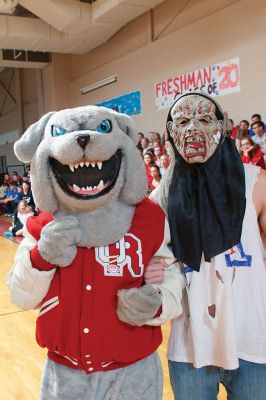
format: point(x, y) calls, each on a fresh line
point(251, 153)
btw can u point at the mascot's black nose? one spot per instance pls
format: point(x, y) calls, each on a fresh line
point(83, 139)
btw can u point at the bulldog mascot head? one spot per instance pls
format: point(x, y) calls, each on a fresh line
point(84, 162)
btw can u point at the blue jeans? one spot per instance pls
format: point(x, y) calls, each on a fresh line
point(248, 382)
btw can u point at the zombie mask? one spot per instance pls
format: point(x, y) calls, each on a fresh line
point(195, 128)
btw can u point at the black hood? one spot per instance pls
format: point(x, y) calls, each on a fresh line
point(206, 203)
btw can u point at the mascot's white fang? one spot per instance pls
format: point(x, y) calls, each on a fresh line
point(83, 258)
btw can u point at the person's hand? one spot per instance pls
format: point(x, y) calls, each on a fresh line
point(154, 273)
point(137, 306)
point(250, 149)
point(59, 240)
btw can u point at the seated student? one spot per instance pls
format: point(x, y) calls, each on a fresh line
point(3, 190)
point(10, 200)
point(260, 134)
point(251, 152)
point(232, 129)
point(26, 175)
point(17, 180)
point(167, 147)
point(148, 159)
point(164, 162)
point(255, 118)
point(163, 140)
point(140, 136)
point(157, 155)
point(264, 151)
point(15, 192)
point(26, 194)
point(7, 179)
point(243, 131)
point(156, 177)
point(144, 144)
point(22, 213)
point(18, 195)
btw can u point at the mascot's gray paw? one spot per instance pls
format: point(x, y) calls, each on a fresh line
point(137, 306)
point(58, 241)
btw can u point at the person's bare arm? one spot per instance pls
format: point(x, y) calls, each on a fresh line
point(9, 199)
point(259, 200)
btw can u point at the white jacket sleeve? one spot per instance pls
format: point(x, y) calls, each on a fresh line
point(27, 285)
point(174, 282)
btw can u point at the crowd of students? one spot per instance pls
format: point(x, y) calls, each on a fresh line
point(155, 156)
point(16, 200)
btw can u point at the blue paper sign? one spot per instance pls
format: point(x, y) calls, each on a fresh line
point(129, 103)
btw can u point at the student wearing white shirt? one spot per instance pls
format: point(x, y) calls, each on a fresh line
point(217, 215)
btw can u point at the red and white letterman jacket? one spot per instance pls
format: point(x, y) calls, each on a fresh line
point(77, 321)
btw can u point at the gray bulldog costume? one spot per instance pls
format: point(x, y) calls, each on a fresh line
point(83, 258)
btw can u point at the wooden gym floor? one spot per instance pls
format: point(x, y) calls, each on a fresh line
point(21, 359)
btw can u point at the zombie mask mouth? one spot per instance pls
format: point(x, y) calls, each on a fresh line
point(87, 179)
point(195, 146)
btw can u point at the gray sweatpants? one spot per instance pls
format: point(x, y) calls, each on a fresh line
point(140, 381)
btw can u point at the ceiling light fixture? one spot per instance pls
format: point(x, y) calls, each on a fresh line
point(99, 84)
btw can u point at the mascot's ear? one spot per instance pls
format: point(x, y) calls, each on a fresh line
point(127, 125)
point(26, 146)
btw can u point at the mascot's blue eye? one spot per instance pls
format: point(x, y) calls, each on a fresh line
point(57, 130)
point(105, 126)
